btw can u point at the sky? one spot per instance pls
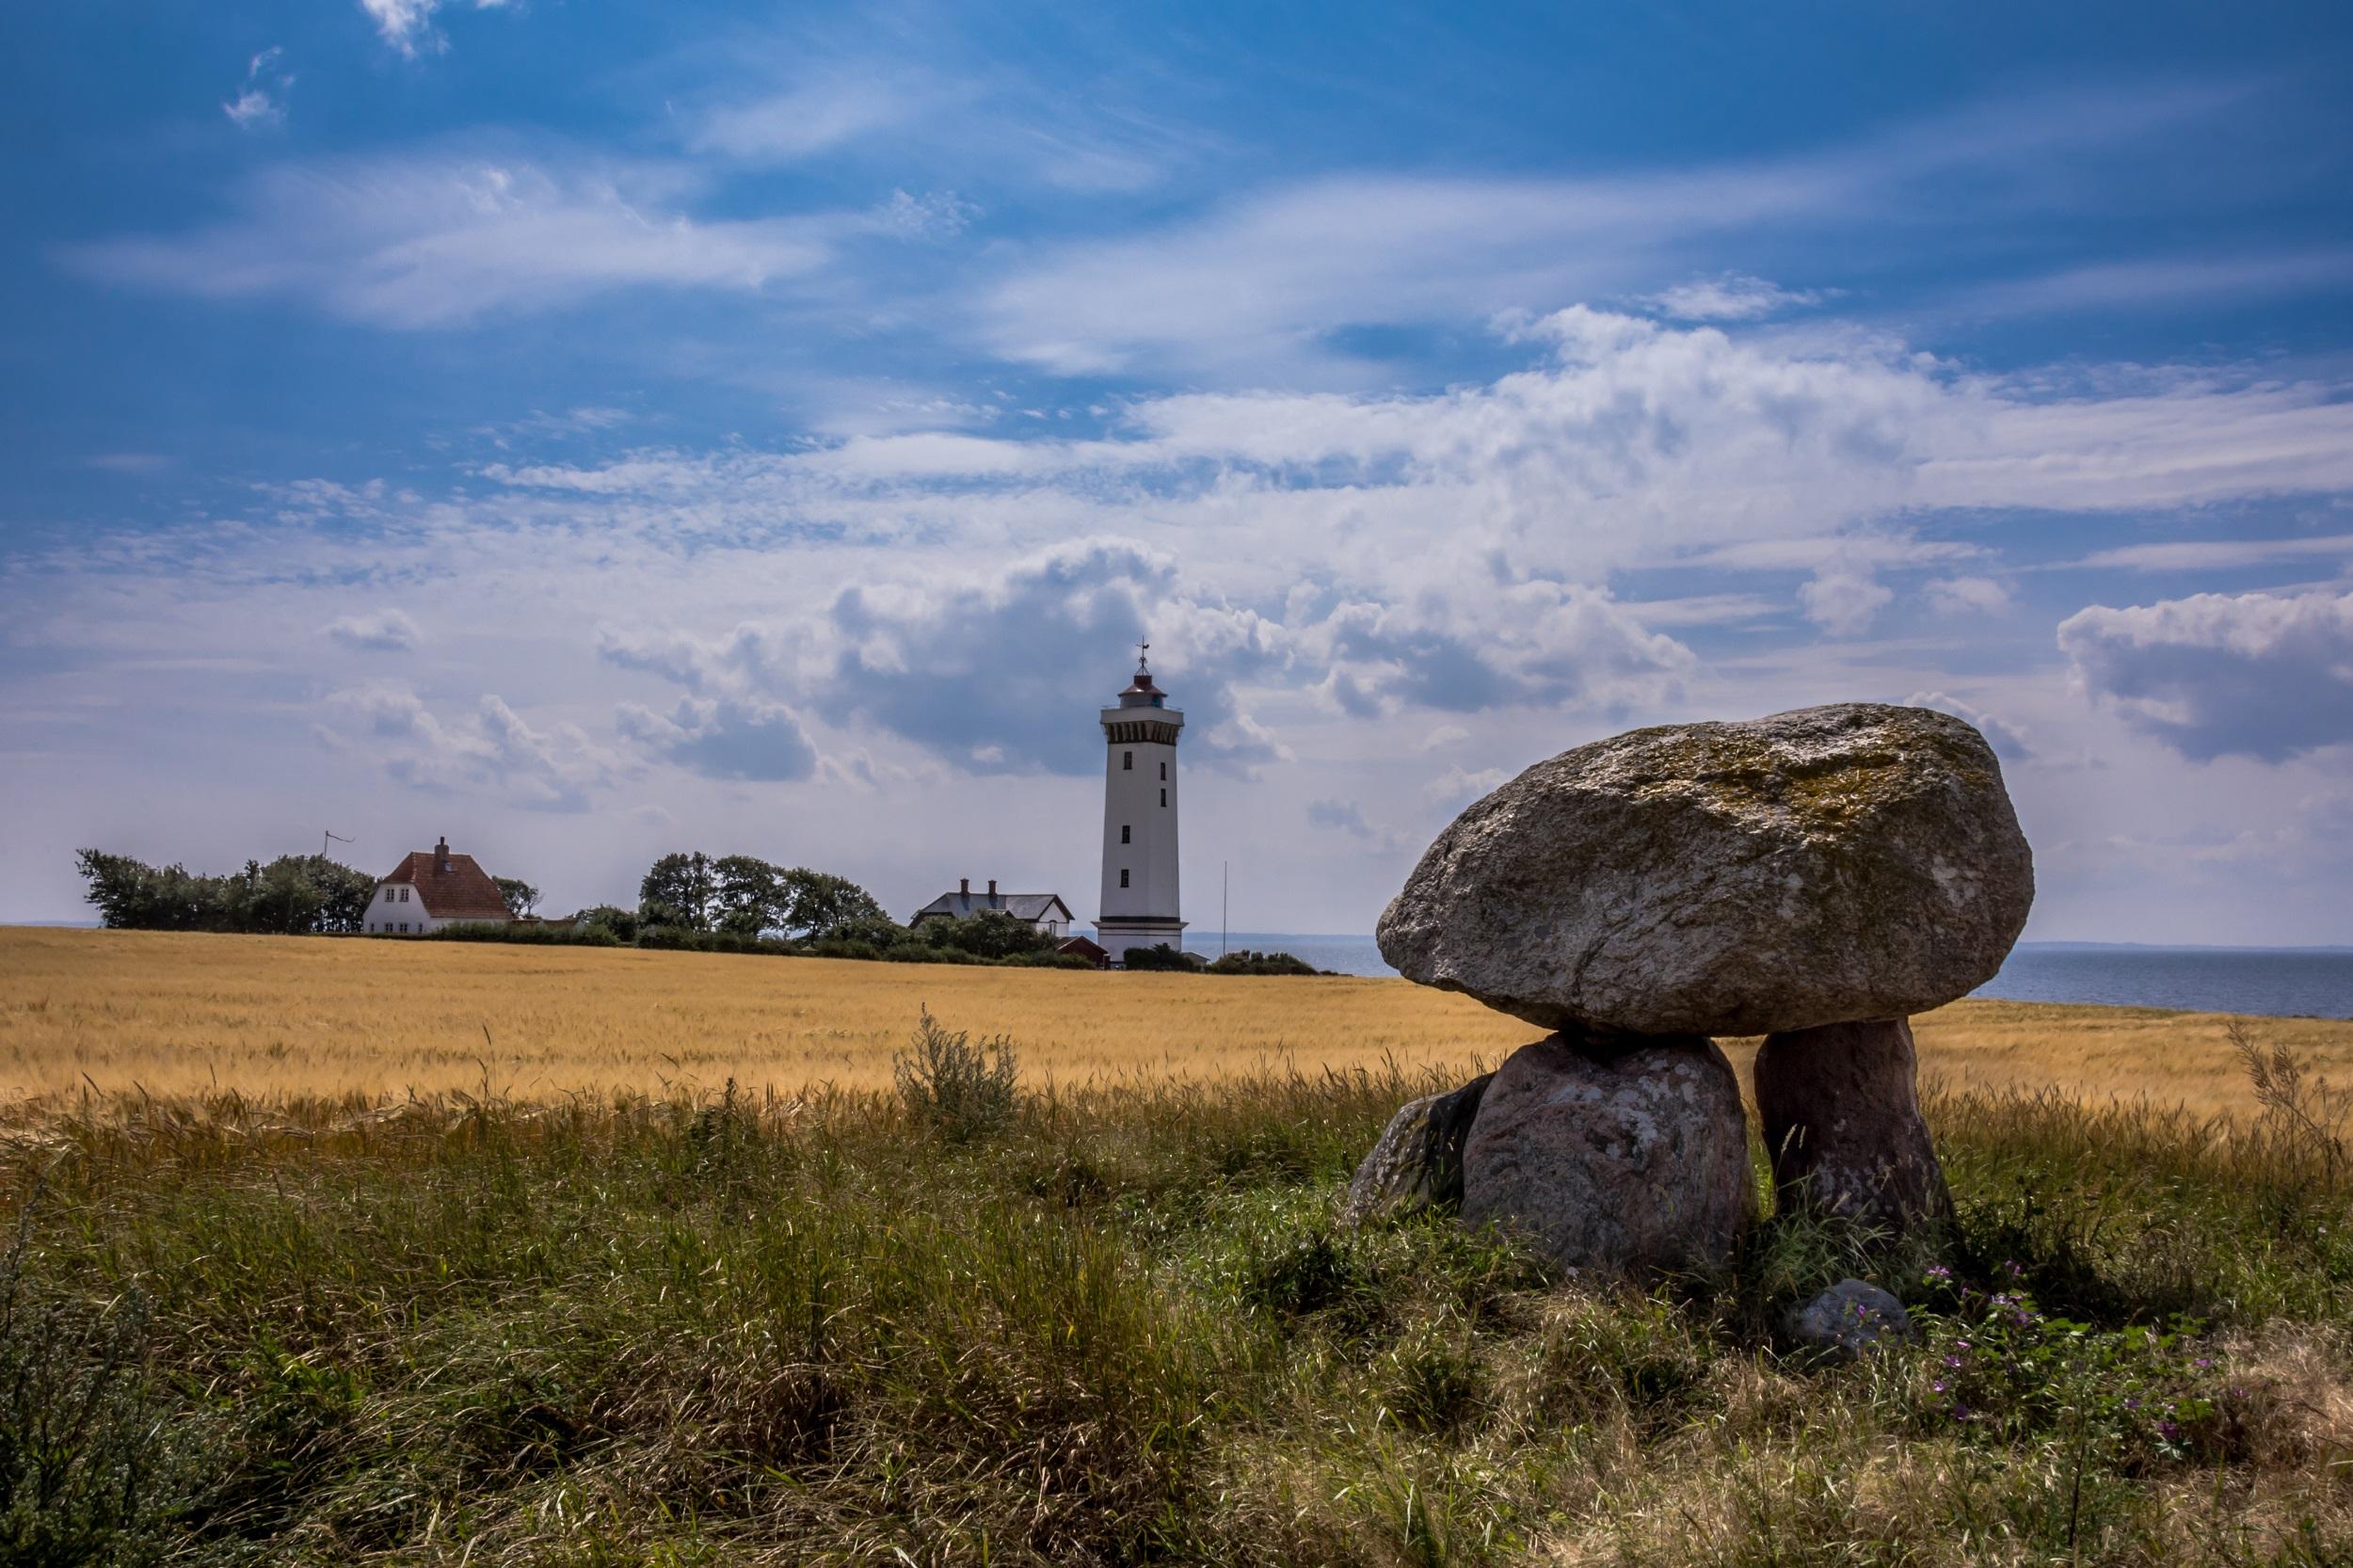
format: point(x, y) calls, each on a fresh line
point(590, 430)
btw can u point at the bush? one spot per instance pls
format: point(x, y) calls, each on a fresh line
point(1158, 956)
point(960, 1090)
point(1247, 962)
point(620, 925)
point(986, 933)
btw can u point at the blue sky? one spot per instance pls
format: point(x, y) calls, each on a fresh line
point(588, 430)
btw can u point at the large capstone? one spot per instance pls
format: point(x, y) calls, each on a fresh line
point(1852, 861)
point(1614, 1159)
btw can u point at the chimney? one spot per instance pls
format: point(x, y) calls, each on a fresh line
point(440, 856)
point(964, 887)
point(992, 891)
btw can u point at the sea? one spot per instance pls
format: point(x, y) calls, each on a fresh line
point(2271, 981)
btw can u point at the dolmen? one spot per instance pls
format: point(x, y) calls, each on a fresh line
point(1814, 877)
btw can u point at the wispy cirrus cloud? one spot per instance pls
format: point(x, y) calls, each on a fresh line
point(436, 241)
point(1732, 296)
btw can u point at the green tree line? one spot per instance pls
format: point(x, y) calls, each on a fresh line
point(295, 895)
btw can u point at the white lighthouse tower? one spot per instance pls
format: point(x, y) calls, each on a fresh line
point(1139, 907)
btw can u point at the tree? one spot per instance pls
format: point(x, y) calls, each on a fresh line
point(819, 905)
point(293, 895)
point(520, 897)
point(751, 895)
point(678, 890)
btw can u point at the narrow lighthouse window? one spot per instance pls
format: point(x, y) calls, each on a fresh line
point(1128, 760)
point(1163, 797)
point(1164, 770)
point(1123, 830)
point(1123, 877)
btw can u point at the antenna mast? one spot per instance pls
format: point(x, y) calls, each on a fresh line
point(325, 835)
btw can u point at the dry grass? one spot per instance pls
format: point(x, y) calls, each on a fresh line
point(175, 1014)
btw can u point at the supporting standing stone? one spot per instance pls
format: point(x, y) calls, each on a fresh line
point(1417, 1165)
point(1626, 1156)
point(1841, 1108)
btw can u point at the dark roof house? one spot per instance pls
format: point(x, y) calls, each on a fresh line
point(1040, 909)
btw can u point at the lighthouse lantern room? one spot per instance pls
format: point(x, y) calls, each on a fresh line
point(1139, 907)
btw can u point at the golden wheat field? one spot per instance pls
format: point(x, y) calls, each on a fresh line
point(170, 1014)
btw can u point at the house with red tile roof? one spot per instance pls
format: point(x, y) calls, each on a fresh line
point(432, 888)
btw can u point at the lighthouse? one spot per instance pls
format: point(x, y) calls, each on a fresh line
point(1139, 909)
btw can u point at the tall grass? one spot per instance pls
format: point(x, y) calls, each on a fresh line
point(1121, 1327)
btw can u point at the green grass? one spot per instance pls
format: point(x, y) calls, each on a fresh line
point(1123, 1329)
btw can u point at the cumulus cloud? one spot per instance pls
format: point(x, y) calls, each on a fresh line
point(1565, 644)
point(557, 768)
point(379, 630)
point(1967, 596)
point(1844, 597)
point(724, 737)
point(2005, 739)
point(1732, 296)
point(1458, 786)
point(261, 101)
point(1008, 661)
point(2259, 675)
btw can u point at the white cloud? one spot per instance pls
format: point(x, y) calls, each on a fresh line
point(2218, 554)
point(375, 631)
point(1263, 280)
point(408, 24)
point(1444, 738)
point(437, 242)
point(2007, 739)
point(1844, 597)
point(1967, 596)
point(558, 768)
point(1458, 786)
point(261, 101)
point(2257, 675)
point(1731, 296)
point(817, 118)
point(724, 737)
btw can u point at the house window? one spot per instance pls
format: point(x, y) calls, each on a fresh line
point(1123, 877)
point(1163, 797)
point(1124, 831)
point(1128, 760)
point(404, 928)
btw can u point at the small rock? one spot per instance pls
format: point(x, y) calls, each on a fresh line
point(1850, 1317)
point(1418, 1162)
point(1841, 1109)
point(1852, 861)
point(1613, 1157)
